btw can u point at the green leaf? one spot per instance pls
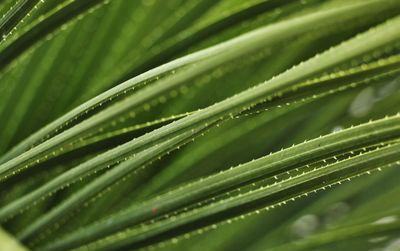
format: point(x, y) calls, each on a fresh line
point(369, 230)
point(7, 242)
point(15, 15)
point(251, 42)
point(100, 98)
point(44, 25)
point(269, 166)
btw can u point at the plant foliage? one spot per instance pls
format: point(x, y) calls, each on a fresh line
point(199, 125)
